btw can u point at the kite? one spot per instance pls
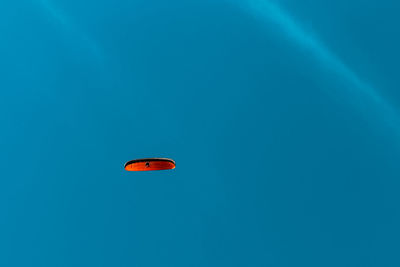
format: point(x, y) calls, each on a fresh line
point(150, 164)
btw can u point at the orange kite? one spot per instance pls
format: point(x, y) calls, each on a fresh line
point(150, 164)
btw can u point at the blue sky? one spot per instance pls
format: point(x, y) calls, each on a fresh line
point(282, 117)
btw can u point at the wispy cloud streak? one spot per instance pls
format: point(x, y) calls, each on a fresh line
point(68, 26)
point(364, 94)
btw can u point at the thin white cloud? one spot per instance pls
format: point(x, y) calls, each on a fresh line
point(69, 27)
point(358, 90)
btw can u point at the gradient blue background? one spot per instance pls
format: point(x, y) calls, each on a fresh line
point(277, 163)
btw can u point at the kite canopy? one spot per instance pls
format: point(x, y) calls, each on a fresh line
point(150, 164)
